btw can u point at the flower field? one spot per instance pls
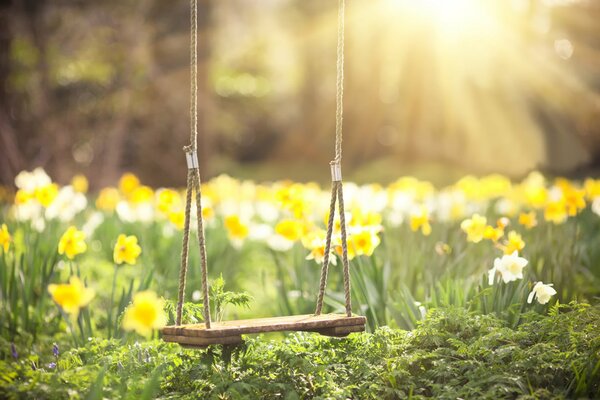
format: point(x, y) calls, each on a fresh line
point(88, 279)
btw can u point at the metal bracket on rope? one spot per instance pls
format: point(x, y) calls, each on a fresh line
point(336, 171)
point(191, 157)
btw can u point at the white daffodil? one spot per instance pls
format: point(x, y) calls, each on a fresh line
point(279, 243)
point(542, 292)
point(29, 181)
point(66, 205)
point(596, 206)
point(510, 268)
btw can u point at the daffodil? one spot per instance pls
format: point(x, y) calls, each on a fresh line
point(315, 241)
point(5, 238)
point(126, 250)
point(72, 243)
point(290, 229)
point(474, 227)
point(509, 266)
point(145, 314)
point(556, 212)
point(574, 201)
point(108, 199)
point(528, 220)
point(236, 229)
point(536, 195)
point(419, 219)
point(596, 206)
point(72, 296)
point(80, 183)
point(177, 218)
point(128, 183)
point(493, 234)
point(514, 243)
point(167, 201)
point(363, 242)
point(542, 292)
point(592, 188)
point(45, 195)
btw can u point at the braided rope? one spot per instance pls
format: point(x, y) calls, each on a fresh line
point(193, 181)
point(325, 267)
point(202, 244)
point(185, 249)
point(339, 98)
point(344, 251)
point(337, 187)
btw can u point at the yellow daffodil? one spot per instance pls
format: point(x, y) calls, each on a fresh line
point(167, 200)
point(72, 296)
point(177, 218)
point(236, 229)
point(46, 194)
point(141, 194)
point(514, 243)
point(363, 242)
point(574, 201)
point(315, 242)
point(145, 314)
point(126, 250)
point(528, 220)
point(72, 243)
point(108, 199)
point(128, 183)
point(592, 188)
point(80, 183)
point(502, 222)
point(474, 227)
point(290, 229)
point(361, 218)
point(5, 238)
point(556, 212)
point(536, 196)
point(419, 219)
point(208, 212)
point(493, 234)
point(23, 197)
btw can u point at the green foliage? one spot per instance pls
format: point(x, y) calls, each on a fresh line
point(451, 354)
point(220, 298)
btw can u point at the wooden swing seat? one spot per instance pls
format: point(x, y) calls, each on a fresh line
point(230, 332)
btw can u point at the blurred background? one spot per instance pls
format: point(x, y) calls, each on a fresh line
point(434, 88)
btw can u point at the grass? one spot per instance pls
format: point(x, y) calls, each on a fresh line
point(451, 354)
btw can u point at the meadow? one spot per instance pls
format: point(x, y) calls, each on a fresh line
point(484, 288)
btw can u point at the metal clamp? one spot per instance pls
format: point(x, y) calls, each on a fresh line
point(336, 171)
point(192, 159)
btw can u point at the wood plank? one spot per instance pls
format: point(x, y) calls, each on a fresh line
point(200, 341)
point(340, 331)
point(307, 322)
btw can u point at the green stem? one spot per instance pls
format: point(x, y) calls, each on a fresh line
point(110, 308)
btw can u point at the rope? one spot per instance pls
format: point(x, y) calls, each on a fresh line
point(193, 74)
point(185, 249)
point(337, 191)
point(325, 267)
point(344, 251)
point(202, 244)
point(339, 98)
point(193, 180)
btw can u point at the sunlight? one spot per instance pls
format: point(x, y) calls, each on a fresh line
point(453, 16)
point(468, 71)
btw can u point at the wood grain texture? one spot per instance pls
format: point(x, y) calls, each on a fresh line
point(308, 322)
point(200, 341)
point(341, 331)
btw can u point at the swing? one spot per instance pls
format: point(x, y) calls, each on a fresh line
point(230, 332)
